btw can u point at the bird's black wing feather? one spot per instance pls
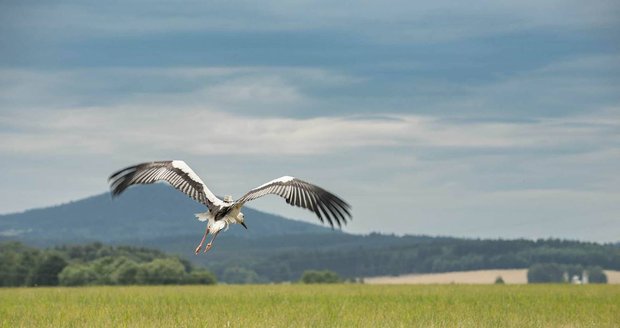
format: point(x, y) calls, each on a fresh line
point(306, 195)
point(176, 173)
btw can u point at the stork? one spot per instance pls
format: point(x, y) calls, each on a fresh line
point(222, 213)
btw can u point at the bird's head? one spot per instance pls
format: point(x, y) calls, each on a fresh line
point(241, 220)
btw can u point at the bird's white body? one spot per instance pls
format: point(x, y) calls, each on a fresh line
point(234, 216)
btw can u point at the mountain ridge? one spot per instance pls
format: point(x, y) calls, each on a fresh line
point(141, 214)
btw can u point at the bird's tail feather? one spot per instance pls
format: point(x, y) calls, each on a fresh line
point(203, 216)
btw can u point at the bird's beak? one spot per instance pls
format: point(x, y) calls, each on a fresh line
point(243, 224)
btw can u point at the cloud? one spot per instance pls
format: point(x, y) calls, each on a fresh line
point(417, 20)
point(210, 131)
point(475, 118)
point(248, 110)
point(248, 90)
point(576, 85)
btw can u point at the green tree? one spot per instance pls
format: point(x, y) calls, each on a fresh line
point(28, 261)
point(107, 266)
point(545, 273)
point(77, 275)
point(46, 272)
point(320, 277)
point(17, 263)
point(596, 275)
point(161, 271)
point(10, 262)
point(126, 273)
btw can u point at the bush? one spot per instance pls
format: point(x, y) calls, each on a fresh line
point(499, 280)
point(320, 277)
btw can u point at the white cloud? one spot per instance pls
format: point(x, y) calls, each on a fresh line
point(268, 89)
point(209, 131)
point(215, 110)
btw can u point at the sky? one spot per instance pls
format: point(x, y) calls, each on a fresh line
point(492, 119)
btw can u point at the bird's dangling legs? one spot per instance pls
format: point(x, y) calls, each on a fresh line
point(202, 241)
point(211, 242)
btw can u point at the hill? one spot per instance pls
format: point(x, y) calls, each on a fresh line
point(279, 249)
point(148, 215)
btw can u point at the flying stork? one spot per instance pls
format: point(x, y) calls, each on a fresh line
point(222, 213)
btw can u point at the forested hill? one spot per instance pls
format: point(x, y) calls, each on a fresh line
point(148, 214)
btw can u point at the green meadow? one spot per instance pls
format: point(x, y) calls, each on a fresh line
point(344, 305)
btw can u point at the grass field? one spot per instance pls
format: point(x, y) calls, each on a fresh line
point(314, 306)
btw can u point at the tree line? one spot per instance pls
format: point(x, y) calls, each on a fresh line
point(558, 273)
point(95, 264)
point(378, 255)
point(354, 257)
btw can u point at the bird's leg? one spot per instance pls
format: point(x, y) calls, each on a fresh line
point(202, 241)
point(211, 242)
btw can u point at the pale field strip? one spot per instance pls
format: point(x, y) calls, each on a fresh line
point(511, 276)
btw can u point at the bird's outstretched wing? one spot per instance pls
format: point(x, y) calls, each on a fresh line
point(176, 173)
point(303, 194)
